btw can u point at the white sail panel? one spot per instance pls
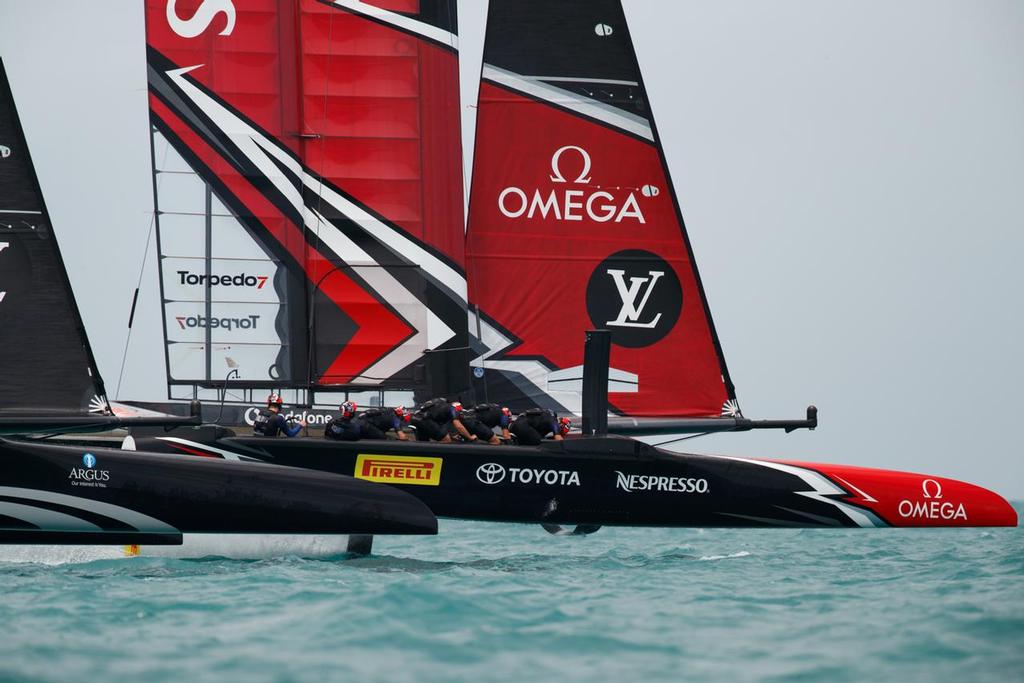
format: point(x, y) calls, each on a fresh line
point(223, 293)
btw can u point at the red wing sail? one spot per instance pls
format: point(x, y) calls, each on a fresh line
point(574, 224)
point(306, 159)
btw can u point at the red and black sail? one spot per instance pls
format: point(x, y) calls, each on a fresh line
point(307, 162)
point(574, 223)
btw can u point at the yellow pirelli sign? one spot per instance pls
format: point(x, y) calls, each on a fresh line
point(398, 469)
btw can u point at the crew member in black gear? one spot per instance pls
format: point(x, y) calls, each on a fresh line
point(369, 424)
point(532, 426)
point(342, 427)
point(481, 420)
point(432, 420)
point(270, 421)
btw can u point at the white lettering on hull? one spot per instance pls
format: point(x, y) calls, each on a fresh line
point(644, 482)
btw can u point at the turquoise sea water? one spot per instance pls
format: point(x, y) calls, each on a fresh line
point(487, 602)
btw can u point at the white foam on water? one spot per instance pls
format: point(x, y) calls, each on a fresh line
point(707, 558)
point(231, 546)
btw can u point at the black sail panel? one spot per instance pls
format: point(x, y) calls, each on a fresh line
point(46, 365)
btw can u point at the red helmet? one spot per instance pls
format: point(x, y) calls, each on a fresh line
point(348, 408)
point(275, 399)
point(402, 414)
point(456, 408)
point(564, 425)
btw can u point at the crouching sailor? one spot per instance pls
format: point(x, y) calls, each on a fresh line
point(532, 426)
point(481, 420)
point(343, 426)
point(374, 423)
point(435, 418)
point(270, 421)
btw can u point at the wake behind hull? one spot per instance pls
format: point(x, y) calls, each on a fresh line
point(193, 546)
point(619, 481)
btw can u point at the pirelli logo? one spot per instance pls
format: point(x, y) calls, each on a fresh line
point(396, 469)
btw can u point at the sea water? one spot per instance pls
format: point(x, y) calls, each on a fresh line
point(487, 602)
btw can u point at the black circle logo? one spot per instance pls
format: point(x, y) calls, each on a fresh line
point(636, 295)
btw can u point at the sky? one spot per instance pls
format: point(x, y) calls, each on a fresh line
point(851, 175)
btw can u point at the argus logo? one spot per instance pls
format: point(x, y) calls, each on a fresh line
point(88, 475)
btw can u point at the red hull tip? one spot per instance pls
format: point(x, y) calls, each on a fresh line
point(905, 499)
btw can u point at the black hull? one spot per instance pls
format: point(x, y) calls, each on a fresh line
point(52, 494)
point(620, 481)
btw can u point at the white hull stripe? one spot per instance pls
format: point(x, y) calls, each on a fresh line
point(134, 519)
point(47, 520)
point(568, 100)
point(401, 22)
point(821, 489)
point(227, 455)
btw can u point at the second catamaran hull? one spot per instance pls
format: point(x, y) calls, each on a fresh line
point(619, 481)
point(75, 496)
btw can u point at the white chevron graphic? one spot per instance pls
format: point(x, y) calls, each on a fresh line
point(431, 332)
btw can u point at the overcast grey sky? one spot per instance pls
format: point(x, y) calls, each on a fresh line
point(851, 174)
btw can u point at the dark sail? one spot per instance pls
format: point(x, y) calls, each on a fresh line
point(46, 367)
point(574, 224)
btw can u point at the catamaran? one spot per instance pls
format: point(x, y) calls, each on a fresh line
point(308, 188)
point(309, 202)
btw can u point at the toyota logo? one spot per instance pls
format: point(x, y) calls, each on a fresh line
point(490, 473)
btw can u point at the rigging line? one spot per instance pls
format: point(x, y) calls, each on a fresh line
point(310, 315)
point(681, 438)
point(458, 98)
point(142, 272)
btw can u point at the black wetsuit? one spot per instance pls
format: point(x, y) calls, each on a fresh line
point(342, 429)
point(432, 418)
point(532, 426)
point(269, 423)
point(369, 424)
point(482, 419)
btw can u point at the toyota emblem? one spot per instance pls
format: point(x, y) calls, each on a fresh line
point(490, 473)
